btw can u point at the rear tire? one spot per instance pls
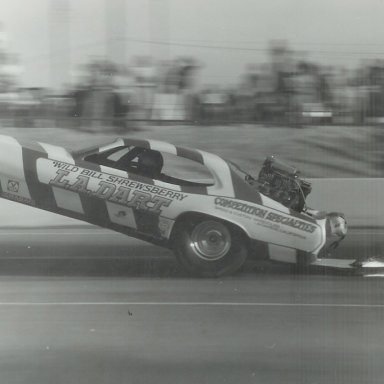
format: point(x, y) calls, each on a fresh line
point(209, 247)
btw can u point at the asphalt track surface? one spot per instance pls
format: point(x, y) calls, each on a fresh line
point(84, 305)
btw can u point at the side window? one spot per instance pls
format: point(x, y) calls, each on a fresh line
point(155, 165)
point(117, 155)
point(119, 158)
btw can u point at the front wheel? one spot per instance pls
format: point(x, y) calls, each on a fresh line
point(210, 248)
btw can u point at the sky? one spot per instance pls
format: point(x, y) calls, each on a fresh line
point(53, 37)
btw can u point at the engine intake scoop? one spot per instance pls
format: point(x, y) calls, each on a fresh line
point(282, 182)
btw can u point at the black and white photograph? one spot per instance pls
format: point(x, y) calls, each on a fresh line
point(191, 191)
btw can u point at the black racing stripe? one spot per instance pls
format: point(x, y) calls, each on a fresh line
point(137, 143)
point(41, 194)
point(190, 154)
point(243, 191)
point(147, 222)
point(33, 145)
point(201, 190)
point(95, 208)
point(88, 165)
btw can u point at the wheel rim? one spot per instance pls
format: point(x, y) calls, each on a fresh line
point(210, 240)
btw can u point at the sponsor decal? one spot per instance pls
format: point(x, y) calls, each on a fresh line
point(291, 222)
point(13, 186)
point(271, 219)
point(18, 199)
point(241, 207)
point(115, 189)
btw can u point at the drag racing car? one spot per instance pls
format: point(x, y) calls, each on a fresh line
point(211, 213)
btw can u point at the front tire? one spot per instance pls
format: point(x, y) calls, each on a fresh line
point(209, 248)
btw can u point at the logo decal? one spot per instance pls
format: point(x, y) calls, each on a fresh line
point(13, 186)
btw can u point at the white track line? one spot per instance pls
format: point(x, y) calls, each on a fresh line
point(50, 232)
point(374, 275)
point(189, 304)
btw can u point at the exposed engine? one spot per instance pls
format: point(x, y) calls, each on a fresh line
point(282, 182)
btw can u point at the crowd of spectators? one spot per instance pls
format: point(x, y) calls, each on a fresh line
point(288, 89)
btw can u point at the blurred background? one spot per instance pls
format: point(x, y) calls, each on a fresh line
point(118, 66)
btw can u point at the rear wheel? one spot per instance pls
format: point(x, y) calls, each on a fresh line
point(209, 247)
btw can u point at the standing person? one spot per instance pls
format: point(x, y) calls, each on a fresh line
point(101, 104)
point(145, 75)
